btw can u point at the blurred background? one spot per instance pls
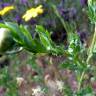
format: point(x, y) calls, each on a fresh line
point(26, 74)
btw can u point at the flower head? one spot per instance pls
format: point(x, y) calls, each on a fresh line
point(6, 9)
point(23, 1)
point(18, 19)
point(32, 13)
point(68, 14)
point(5, 4)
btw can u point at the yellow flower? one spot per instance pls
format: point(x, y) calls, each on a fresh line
point(6, 9)
point(32, 13)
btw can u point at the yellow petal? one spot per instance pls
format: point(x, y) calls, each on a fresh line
point(39, 9)
point(32, 13)
point(6, 9)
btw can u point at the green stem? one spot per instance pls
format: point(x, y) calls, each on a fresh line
point(60, 18)
point(81, 79)
point(88, 59)
point(91, 46)
point(65, 24)
point(69, 28)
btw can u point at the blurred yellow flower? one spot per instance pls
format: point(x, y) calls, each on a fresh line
point(32, 13)
point(6, 9)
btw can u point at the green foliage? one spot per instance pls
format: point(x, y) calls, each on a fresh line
point(92, 10)
point(73, 51)
point(8, 82)
point(86, 92)
point(44, 37)
point(75, 48)
point(24, 39)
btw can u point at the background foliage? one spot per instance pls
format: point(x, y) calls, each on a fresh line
point(58, 49)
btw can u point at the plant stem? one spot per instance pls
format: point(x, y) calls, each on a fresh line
point(65, 24)
point(88, 58)
point(81, 79)
point(91, 46)
point(60, 18)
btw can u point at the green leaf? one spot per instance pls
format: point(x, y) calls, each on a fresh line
point(75, 45)
point(44, 37)
point(21, 35)
point(39, 47)
point(16, 33)
point(92, 10)
point(27, 34)
point(24, 37)
point(13, 33)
